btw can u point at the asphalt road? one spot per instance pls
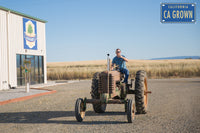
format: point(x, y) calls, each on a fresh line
point(174, 106)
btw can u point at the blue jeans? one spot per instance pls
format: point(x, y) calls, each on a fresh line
point(126, 72)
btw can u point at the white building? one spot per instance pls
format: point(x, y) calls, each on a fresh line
point(22, 37)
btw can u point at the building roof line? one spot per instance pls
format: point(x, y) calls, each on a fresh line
point(22, 14)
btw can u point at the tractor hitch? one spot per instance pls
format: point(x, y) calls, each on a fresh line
point(146, 92)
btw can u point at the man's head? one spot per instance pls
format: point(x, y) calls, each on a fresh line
point(118, 52)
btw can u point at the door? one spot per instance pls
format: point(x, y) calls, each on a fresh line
point(32, 68)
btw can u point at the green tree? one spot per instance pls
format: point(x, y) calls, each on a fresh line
point(30, 29)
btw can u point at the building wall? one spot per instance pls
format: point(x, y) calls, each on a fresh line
point(3, 51)
point(15, 45)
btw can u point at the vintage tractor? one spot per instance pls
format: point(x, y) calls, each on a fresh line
point(108, 88)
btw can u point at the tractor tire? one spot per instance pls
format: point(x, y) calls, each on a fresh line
point(130, 111)
point(141, 98)
point(125, 107)
point(98, 108)
point(79, 110)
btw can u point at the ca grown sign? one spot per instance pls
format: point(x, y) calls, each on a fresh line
point(178, 12)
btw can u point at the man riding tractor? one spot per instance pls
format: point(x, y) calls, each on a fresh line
point(120, 61)
point(111, 87)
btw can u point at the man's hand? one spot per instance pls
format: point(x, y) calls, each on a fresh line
point(111, 67)
point(125, 59)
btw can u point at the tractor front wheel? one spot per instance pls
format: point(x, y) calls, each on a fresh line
point(80, 110)
point(130, 111)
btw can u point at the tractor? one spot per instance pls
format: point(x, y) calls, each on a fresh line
point(108, 88)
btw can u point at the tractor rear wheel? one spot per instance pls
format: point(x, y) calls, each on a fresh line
point(130, 111)
point(98, 108)
point(141, 98)
point(80, 110)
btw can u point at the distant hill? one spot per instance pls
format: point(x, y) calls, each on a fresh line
point(177, 57)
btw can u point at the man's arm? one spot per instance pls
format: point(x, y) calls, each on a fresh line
point(124, 58)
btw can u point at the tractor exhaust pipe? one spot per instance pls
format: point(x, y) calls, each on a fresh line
point(108, 62)
point(108, 67)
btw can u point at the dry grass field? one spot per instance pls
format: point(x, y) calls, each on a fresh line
point(155, 69)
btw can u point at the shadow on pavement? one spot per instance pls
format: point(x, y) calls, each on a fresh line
point(46, 116)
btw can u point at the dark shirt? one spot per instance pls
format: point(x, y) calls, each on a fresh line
point(119, 62)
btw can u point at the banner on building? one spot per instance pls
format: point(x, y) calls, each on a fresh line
point(30, 34)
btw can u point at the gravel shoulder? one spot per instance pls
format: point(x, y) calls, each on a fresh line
point(16, 93)
point(173, 107)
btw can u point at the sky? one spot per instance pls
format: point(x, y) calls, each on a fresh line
point(79, 30)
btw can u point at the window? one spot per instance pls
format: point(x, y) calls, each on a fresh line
point(37, 69)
